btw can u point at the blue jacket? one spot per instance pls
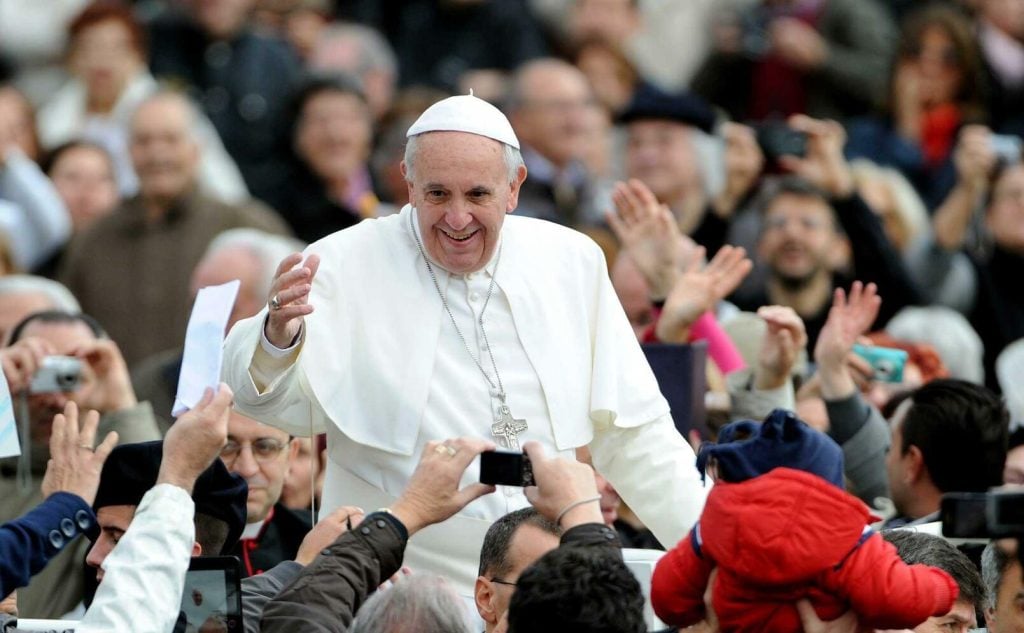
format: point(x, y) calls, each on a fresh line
point(30, 541)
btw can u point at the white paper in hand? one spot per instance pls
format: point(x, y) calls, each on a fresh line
point(9, 446)
point(204, 342)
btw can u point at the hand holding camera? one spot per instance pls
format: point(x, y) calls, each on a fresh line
point(824, 165)
point(565, 492)
point(106, 385)
point(22, 360)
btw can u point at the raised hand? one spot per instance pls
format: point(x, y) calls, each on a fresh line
point(974, 158)
point(847, 320)
point(698, 289)
point(798, 43)
point(649, 234)
point(433, 493)
point(21, 361)
point(75, 464)
point(783, 340)
point(288, 302)
point(195, 439)
point(824, 166)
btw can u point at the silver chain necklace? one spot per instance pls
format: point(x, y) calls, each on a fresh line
point(505, 427)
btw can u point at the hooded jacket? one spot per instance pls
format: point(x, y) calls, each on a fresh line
point(787, 535)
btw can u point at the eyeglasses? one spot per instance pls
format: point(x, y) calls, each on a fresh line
point(503, 582)
point(263, 450)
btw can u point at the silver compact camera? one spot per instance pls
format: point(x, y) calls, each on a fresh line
point(57, 373)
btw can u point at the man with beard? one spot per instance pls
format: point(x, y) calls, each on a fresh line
point(804, 219)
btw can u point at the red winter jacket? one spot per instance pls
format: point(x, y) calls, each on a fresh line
point(788, 535)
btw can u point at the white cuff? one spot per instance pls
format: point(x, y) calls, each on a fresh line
point(274, 350)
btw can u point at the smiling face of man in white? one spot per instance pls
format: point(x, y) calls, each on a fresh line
point(461, 190)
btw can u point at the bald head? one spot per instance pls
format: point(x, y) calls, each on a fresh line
point(549, 109)
point(164, 150)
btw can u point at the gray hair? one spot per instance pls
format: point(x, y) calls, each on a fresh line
point(269, 249)
point(424, 603)
point(994, 562)
point(59, 296)
point(374, 51)
point(512, 157)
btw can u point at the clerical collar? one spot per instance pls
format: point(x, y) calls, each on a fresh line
point(253, 530)
point(489, 268)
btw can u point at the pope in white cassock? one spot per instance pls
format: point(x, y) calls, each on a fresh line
point(453, 319)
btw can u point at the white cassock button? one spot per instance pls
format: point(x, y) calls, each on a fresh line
point(474, 297)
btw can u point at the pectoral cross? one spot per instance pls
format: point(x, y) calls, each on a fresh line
point(507, 429)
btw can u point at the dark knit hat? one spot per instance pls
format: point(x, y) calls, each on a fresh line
point(131, 470)
point(747, 449)
point(652, 103)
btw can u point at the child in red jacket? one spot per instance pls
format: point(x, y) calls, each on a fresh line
point(779, 527)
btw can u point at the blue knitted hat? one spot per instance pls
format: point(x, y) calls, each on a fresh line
point(747, 449)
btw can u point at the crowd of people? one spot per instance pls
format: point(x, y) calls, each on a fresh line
point(740, 278)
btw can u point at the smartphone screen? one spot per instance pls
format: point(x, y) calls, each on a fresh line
point(212, 599)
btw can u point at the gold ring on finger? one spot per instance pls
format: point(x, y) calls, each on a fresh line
point(275, 303)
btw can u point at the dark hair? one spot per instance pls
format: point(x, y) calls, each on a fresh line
point(961, 430)
point(318, 83)
point(577, 589)
point(56, 317)
point(917, 548)
point(789, 184)
point(956, 26)
point(51, 158)
point(211, 533)
point(494, 559)
point(104, 10)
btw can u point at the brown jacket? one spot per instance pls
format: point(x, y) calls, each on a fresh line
point(133, 275)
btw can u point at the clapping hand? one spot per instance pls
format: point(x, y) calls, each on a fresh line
point(289, 298)
point(698, 289)
point(974, 158)
point(783, 340)
point(649, 234)
point(848, 319)
point(75, 465)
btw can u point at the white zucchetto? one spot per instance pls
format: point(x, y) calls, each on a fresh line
point(465, 113)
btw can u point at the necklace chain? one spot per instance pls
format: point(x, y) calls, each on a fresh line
point(500, 388)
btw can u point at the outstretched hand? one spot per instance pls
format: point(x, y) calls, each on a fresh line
point(433, 492)
point(649, 234)
point(75, 465)
point(196, 439)
point(783, 340)
point(288, 302)
point(698, 289)
point(560, 484)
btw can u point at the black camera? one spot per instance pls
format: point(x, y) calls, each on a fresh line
point(506, 468)
point(995, 514)
point(777, 139)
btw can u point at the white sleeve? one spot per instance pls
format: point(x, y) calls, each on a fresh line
point(654, 471)
point(145, 574)
point(268, 384)
point(38, 223)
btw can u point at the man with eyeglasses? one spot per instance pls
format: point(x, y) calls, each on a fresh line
point(273, 533)
point(804, 218)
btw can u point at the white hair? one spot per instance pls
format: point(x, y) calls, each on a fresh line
point(59, 297)
point(425, 603)
point(945, 329)
point(268, 248)
point(374, 51)
point(512, 157)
